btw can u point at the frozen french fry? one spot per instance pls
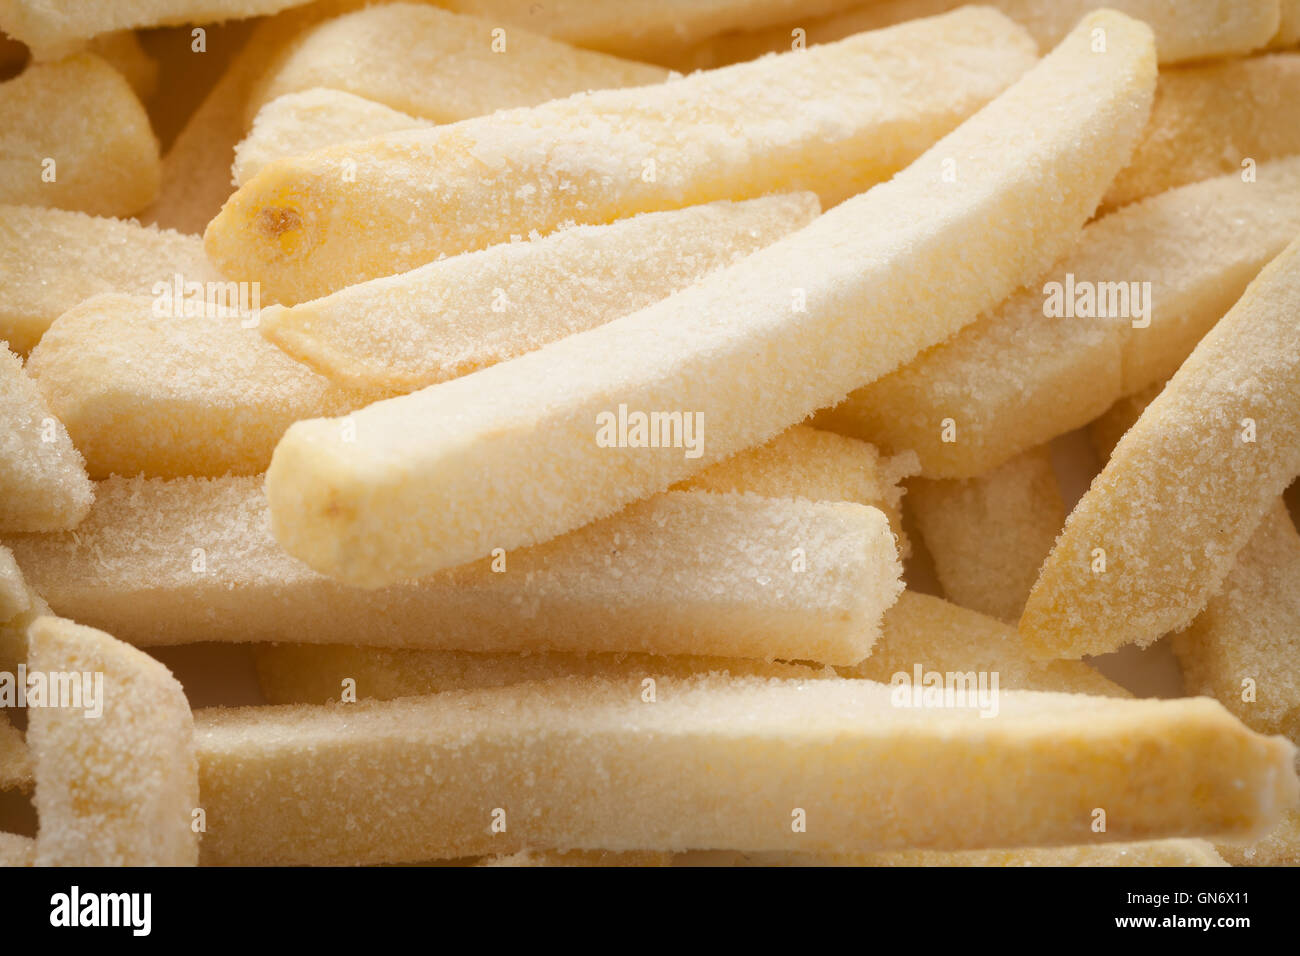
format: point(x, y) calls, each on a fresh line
point(309, 225)
point(940, 637)
point(533, 447)
point(583, 764)
point(15, 761)
point(17, 850)
point(1092, 329)
point(311, 120)
point(581, 858)
point(54, 259)
point(416, 58)
point(321, 673)
point(1105, 431)
point(1160, 528)
point(1214, 119)
point(989, 535)
point(1244, 647)
point(147, 386)
point(1150, 853)
point(55, 29)
point(43, 483)
point(1280, 847)
point(118, 788)
point(1190, 30)
point(457, 315)
point(74, 136)
point(681, 573)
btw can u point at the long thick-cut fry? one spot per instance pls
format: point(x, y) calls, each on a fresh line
point(120, 788)
point(43, 483)
point(145, 389)
point(1019, 377)
point(1188, 30)
point(989, 535)
point(1213, 119)
point(1160, 528)
point(1149, 853)
point(681, 573)
point(1244, 648)
point(457, 315)
point(416, 58)
point(309, 225)
point(714, 761)
point(53, 259)
point(74, 136)
point(536, 446)
point(941, 637)
point(316, 673)
point(311, 120)
point(55, 28)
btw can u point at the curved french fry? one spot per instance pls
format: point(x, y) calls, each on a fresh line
point(530, 448)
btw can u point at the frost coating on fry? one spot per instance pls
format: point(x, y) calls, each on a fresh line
point(43, 483)
point(457, 315)
point(441, 66)
point(1016, 378)
point(1246, 642)
point(1209, 120)
point(15, 761)
point(989, 535)
point(681, 573)
point(170, 395)
point(74, 136)
point(313, 119)
point(940, 636)
point(54, 29)
point(17, 850)
point(54, 259)
point(1197, 30)
point(508, 456)
point(119, 789)
point(314, 673)
point(13, 590)
point(833, 121)
point(584, 764)
point(1185, 488)
point(1280, 847)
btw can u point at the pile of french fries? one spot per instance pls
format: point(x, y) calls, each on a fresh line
point(650, 432)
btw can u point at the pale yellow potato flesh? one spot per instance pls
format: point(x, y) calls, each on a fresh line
point(1187, 30)
point(681, 573)
point(1151, 853)
point(307, 226)
point(1211, 119)
point(314, 119)
point(74, 136)
point(1016, 378)
point(118, 789)
point(54, 259)
point(1162, 525)
point(940, 636)
point(418, 59)
point(54, 29)
point(989, 535)
point(144, 390)
point(457, 315)
point(43, 483)
point(719, 761)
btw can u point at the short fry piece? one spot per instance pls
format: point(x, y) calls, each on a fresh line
point(440, 477)
point(54, 260)
point(581, 764)
point(1160, 528)
point(43, 483)
point(681, 573)
point(938, 636)
point(1246, 643)
point(118, 789)
point(1214, 119)
point(999, 387)
point(457, 315)
point(989, 535)
point(309, 225)
point(151, 391)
